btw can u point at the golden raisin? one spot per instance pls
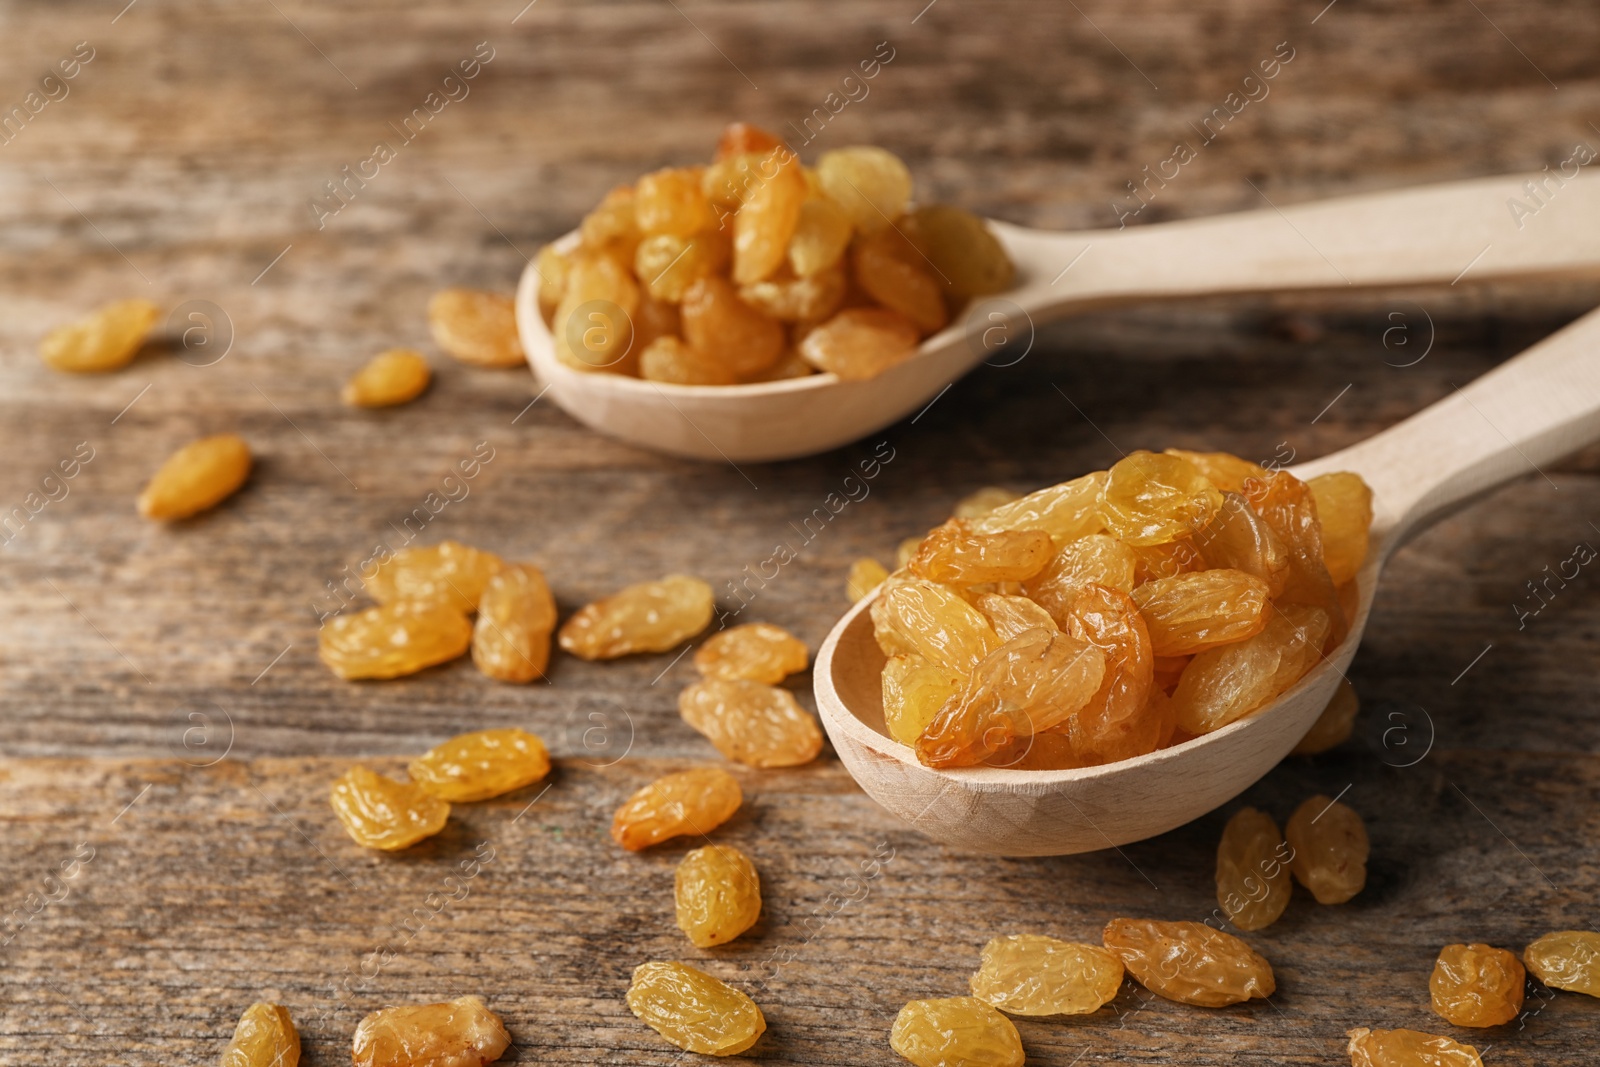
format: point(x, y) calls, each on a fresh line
point(1190, 613)
point(1121, 720)
point(1477, 985)
point(896, 275)
point(726, 330)
point(382, 813)
point(1286, 504)
point(476, 327)
point(552, 266)
point(593, 327)
point(865, 576)
point(198, 476)
point(758, 651)
point(645, 617)
point(788, 299)
point(739, 138)
point(1344, 508)
point(1330, 848)
point(955, 1032)
point(718, 895)
point(1253, 880)
point(1408, 1048)
point(1028, 974)
point(751, 723)
point(446, 573)
point(860, 343)
point(821, 236)
point(1239, 539)
point(933, 621)
point(516, 615)
point(1334, 726)
point(968, 260)
point(869, 184)
point(1152, 498)
point(458, 1033)
point(693, 1010)
point(389, 378)
point(1012, 616)
point(668, 359)
point(667, 265)
point(1566, 959)
point(1190, 962)
point(265, 1037)
point(1222, 469)
point(768, 216)
point(913, 692)
point(104, 341)
point(670, 201)
point(955, 553)
point(688, 802)
point(393, 640)
point(1094, 559)
point(1229, 682)
point(1066, 512)
point(613, 226)
point(481, 765)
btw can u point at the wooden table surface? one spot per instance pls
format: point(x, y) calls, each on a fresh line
point(168, 855)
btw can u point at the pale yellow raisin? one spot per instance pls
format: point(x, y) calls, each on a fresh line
point(933, 621)
point(516, 616)
point(691, 802)
point(1190, 962)
point(481, 765)
point(1229, 682)
point(1477, 985)
point(1189, 613)
point(1066, 512)
point(393, 640)
point(1408, 1048)
point(197, 477)
point(750, 723)
point(1330, 849)
point(667, 265)
point(718, 895)
point(646, 617)
point(955, 1032)
point(913, 692)
point(671, 201)
point(446, 573)
point(1238, 539)
point(693, 1010)
point(105, 341)
point(457, 1033)
point(968, 260)
point(668, 359)
point(1012, 616)
point(821, 235)
point(389, 378)
point(1334, 726)
point(865, 575)
point(265, 1037)
point(1151, 498)
point(768, 217)
point(1253, 880)
point(476, 327)
point(860, 343)
point(758, 651)
point(957, 554)
point(1566, 959)
point(382, 813)
point(869, 184)
point(1344, 508)
point(1029, 974)
point(1222, 469)
point(1093, 559)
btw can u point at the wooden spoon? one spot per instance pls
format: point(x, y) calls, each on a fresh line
point(1433, 235)
point(1526, 413)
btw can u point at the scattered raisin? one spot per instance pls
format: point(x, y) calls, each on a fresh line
point(1477, 985)
point(448, 573)
point(646, 617)
point(104, 341)
point(693, 1010)
point(1190, 962)
point(457, 1033)
point(481, 765)
point(393, 640)
point(265, 1037)
point(955, 1032)
point(1253, 879)
point(758, 651)
point(759, 725)
point(865, 576)
point(718, 895)
point(1334, 726)
point(1029, 974)
point(476, 327)
point(382, 813)
point(516, 615)
point(389, 378)
point(688, 802)
point(197, 477)
point(1330, 849)
point(1408, 1048)
point(1567, 959)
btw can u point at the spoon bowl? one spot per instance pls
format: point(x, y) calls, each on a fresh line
point(1432, 235)
point(1533, 409)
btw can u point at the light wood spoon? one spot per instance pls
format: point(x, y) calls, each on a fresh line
point(1432, 235)
point(1525, 414)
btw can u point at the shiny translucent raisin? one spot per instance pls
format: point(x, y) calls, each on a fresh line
point(476, 327)
point(1408, 1048)
point(1154, 562)
point(1287, 505)
point(788, 299)
point(980, 502)
point(726, 330)
point(613, 226)
point(821, 236)
point(1190, 962)
point(869, 184)
point(448, 573)
point(1253, 879)
point(457, 1033)
point(1344, 508)
point(1151, 498)
point(955, 1032)
point(864, 576)
point(1190, 613)
point(718, 895)
point(105, 341)
point(1222, 469)
point(758, 651)
point(860, 343)
point(1119, 721)
point(197, 477)
point(393, 640)
point(1334, 726)
point(1330, 849)
point(646, 617)
point(739, 138)
point(1012, 616)
point(1221, 685)
point(913, 692)
point(516, 615)
point(957, 554)
point(1066, 512)
point(1049, 751)
point(668, 359)
point(789, 365)
point(1477, 985)
point(670, 201)
point(1566, 959)
point(481, 765)
point(1029, 974)
point(767, 217)
point(693, 1010)
point(593, 327)
point(891, 271)
point(389, 378)
point(265, 1037)
point(382, 813)
point(1239, 539)
point(1094, 559)
point(759, 725)
point(933, 621)
point(968, 259)
point(667, 265)
point(688, 802)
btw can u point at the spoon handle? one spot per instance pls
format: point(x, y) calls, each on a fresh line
point(1525, 414)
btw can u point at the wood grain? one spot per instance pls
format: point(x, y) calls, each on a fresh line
point(181, 165)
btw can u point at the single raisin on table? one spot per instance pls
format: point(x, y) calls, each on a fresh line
point(446, 573)
point(718, 895)
point(1408, 1048)
point(1253, 879)
point(1566, 959)
point(389, 378)
point(689, 802)
point(481, 765)
point(457, 1033)
point(757, 651)
point(476, 327)
point(516, 615)
point(197, 477)
point(759, 725)
point(393, 640)
point(1028, 974)
point(955, 1032)
point(1330, 849)
point(693, 1010)
point(265, 1037)
point(646, 617)
point(864, 576)
point(382, 813)
point(1477, 985)
point(104, 341)
point(1334, 726)
point(1190, 962)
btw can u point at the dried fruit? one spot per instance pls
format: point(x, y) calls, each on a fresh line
point(457, 1033)
point(1222, 469)
point(727, 331)
point(1330, 849)
point(693, 1010)
point(768, 216)
point(393, 640)
point(1028, 974)
point(1151, 498)
point(104, 341)
point(821, 235)
point(667, 265)
point(1094, 559)
point(913, 692)
point(446, 573)
point(481, 765)
point(646, 617)
point(790, 299)
point(1221, 685)
point(1477, 985)
point(516, 615)
point(593, 326)
point(865, 576)
point(667, 359)
point(613, 226)
point(1253, 880)
point(1012, 616)
point(1119, 721)
point(740, 138)
point(1285, 503)
point(670, 201)
point(198, 476)
point(1344, 509)
point(1191, 613)
point(382, 813)
point(265, 1037)
point(718, 895)
point(860, 343)
point(760, 725)
point(933, 621)
point(869, 184)
point(955, 1032)
point(1066, 512)
point(1333, 727)
point(389, 378)
point(954, 553)
point(476, 327)
point(1190, 962)
point(891, 271)
point(1154, 562)
point(689, 802)
point(552, 266)
point(758, 651)
point(965, 256)
point(1049, 751)
point(1567, 959)
point(1239, 539)
point(1408, 1048)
